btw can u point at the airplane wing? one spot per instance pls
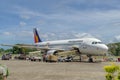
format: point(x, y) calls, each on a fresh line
point(31, 46)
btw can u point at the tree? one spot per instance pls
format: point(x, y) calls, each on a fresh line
point(114, 48)
point(22, 50)
point(1, 50)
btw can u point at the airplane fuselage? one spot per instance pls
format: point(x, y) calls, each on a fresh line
point(89, 46)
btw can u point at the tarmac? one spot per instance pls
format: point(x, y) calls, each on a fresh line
point(27, 70)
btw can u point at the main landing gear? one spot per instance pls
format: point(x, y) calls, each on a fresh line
point(90, 58)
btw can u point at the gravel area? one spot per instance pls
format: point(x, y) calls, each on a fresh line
point(27, 70)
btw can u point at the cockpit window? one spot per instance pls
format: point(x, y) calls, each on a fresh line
point(96, 42)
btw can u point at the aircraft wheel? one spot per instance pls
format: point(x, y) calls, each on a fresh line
point(90, 59)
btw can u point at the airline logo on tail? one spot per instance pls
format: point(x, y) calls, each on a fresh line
point(36, 36)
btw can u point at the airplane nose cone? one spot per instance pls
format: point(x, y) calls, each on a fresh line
point(105, 48)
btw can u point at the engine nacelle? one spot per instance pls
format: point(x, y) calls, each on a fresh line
point(51, 56)
point(52, 52)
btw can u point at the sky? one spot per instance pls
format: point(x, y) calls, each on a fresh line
point(59, 19)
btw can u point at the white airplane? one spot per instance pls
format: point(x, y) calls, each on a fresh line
point(87, 46)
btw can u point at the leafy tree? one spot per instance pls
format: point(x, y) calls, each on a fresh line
point(1, 50)
point(8, 50)
point(114, 48)
point(17, 50)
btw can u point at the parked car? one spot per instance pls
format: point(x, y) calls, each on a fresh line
point(21, 57)
point(65, 59)
point(6, 56)
point(35, 58)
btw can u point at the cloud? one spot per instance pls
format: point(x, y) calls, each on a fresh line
point(22, 24)
point(117, 38)
point(83, 35)
point(70, 17)
point(64, 35)
point(40, 22)
point(25, 17)
point(85, 17)
point(25, 13)
point(92, 22)
point(25, 34)
point(7, 33)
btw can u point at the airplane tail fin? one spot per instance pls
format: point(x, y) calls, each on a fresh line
point(36, 36)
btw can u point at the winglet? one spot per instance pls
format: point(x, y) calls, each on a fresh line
point(36, 36)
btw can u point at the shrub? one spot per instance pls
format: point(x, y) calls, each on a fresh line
point(112, 72)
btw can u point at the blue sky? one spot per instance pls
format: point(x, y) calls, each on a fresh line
point(59, 19)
